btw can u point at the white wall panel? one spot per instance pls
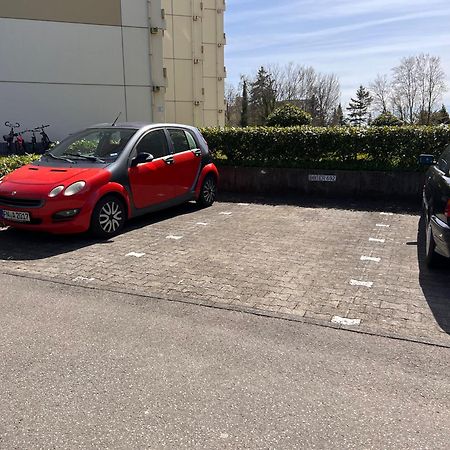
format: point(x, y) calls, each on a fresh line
point(67, 108)
point(135, 13)
point(139, 105)
point(136, 55)
point(37, 51)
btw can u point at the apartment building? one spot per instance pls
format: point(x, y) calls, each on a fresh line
point(72, 64)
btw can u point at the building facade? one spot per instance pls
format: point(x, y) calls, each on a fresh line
point(72, 64)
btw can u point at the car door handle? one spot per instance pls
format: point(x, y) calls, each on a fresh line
point(169, 160)
point(197, 152)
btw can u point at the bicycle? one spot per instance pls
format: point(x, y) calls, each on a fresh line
point(20, 146)
point(46, 143)
point(33, 140)
point(9, 138)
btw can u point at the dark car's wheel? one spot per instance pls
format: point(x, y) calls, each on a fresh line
point(431, 257)
point(208, 192)
point(108, 217)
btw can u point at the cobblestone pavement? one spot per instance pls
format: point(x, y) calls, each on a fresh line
point(342, 265)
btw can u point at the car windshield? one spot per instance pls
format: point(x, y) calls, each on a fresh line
point(103, 145)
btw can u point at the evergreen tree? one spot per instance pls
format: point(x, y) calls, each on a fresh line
point(244, 109)
point(441, 117)
point(359, 107)
point(338, 117)
point(262, 96)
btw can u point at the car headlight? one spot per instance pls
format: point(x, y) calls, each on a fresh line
point(74, 188)
point(55, 191)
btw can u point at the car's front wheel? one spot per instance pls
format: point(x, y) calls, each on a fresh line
point(108, 217)
point(208, 192)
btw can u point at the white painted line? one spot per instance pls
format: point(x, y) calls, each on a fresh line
point(136, 255)
point(370, 258)
point(226, 213)
point(201, 223)
point(361, 283)
point(87, 280)
point(382, 225)
point(382, 241)
point(243, 204)
point(386, 214)
point(345, 321)
point(176, 238)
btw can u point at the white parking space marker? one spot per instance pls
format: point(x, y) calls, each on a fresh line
point(225, 213)
point(84, 279)
point(345, 321)
point(382, 225)
point(201, 223)
point(243, 204)
point(386, 214)
point(361, 283)
point(176, 238)
point(136, 255)
point(370, 258)
point(382, 241)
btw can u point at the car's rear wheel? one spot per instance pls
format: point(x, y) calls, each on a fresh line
point(431, 257)
point(208, 192)
point(108, 217)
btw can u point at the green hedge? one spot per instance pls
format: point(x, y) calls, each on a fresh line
point(10, 163)
point(376, 148)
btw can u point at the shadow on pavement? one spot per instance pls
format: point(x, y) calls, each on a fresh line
point(435, 283)
point(18, 245)
point(400, 206)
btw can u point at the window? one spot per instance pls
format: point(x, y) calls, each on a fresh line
point(105, 143)
point(154, 143)
point(192, 144)
point(180, 141)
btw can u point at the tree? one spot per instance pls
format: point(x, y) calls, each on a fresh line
point(381, 91)
point(359, 107)
point(231, 102)
point(327, 92)
point(407, 88)
point(387, 119)
point(441, 117)
point(244, 108)
point(288, 116)
point(262, 96)
point(338, 117)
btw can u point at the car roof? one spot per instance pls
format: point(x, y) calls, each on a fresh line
point(141, 125)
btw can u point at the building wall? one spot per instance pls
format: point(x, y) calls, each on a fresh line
point(72, 64)
point(194, 61)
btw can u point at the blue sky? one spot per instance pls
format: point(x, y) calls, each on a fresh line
point(356, 39)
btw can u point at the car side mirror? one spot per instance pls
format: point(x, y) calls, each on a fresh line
point(141, 158)
point(426, 160)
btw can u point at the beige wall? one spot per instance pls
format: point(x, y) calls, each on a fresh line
point(193, 47)
point(101, 12)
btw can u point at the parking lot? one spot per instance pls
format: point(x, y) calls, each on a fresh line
point(351, 265)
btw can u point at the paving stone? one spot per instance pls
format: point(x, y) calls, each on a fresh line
point(284, 259)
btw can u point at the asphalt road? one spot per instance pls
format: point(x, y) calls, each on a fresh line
point(84, 368)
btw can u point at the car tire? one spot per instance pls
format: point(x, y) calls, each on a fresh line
point(108, 217)
point(208, 192)
point(431, 257)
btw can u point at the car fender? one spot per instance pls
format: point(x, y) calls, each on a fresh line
point(207, 170)
point(111, 188)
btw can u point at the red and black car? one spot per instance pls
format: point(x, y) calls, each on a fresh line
point(100, 177)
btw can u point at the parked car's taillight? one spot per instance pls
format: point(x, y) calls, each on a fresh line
point(447, 210)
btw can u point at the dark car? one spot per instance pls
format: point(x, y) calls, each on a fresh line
point(436, 207)
point(100, 177)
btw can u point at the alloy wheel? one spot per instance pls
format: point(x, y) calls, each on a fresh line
point(110, 217)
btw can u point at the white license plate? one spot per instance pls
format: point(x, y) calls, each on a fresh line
point(15, 216)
